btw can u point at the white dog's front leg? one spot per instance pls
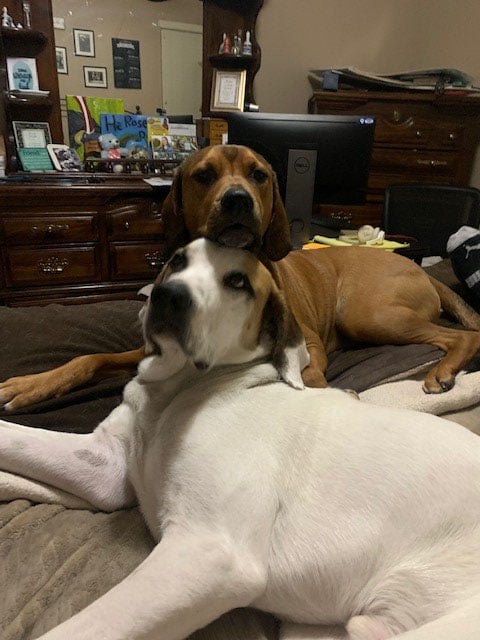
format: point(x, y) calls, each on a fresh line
point(185, 583)
point(90, 466)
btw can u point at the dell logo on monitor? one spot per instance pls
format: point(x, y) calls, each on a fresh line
point(301, 164)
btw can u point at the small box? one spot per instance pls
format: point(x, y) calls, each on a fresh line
point(212, 128)
point(330, 81)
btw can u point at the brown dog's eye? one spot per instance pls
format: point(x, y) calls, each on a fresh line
point(237, 280)
point(259, 176)
point(178, 262)
point(207, 176)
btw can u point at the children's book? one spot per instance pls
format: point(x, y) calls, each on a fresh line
point(173, 147)
point(157, 126)
point(131, 131)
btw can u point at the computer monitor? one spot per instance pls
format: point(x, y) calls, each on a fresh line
point(318, 159)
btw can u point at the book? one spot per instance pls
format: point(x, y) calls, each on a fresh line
point(173, 147)
point(22, 74)
point(129, 129)
point(156, 126)
point(35, 159)
point(64, 158)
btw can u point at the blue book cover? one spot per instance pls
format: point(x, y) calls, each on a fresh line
point(130, 130)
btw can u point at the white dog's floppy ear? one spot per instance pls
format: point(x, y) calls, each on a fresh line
point(289, 353)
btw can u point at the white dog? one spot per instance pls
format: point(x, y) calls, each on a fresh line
point(344, 519)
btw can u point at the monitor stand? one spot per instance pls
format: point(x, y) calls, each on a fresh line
point(299, 194)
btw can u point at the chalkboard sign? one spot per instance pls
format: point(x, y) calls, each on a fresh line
point(126, 63)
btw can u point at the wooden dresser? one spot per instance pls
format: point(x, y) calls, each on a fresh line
point(419, 138)
point(78, 242)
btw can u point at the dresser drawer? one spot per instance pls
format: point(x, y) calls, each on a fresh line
point(133, 261)
point(405, 165)
point(51, 229)
point(347, 216)
point(414, 125)
point(135, 220)
point(48, 266)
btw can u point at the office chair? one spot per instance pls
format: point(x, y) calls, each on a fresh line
point(427, 215)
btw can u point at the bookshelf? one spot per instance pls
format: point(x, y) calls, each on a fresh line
point(37, 42)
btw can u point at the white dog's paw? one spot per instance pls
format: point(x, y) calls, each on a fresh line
point(155, 368)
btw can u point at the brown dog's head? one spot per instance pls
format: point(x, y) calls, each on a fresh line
point(228, 194)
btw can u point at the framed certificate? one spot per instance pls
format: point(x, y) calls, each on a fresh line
point(31, 135)
point(228, 90)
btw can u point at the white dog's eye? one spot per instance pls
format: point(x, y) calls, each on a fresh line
point(237, 280)
point(178, 262)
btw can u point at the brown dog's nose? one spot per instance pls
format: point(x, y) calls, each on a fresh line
point(237, 200)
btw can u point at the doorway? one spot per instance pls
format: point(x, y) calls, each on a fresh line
point(181, 50)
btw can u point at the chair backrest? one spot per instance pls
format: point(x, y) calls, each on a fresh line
point(429, 214)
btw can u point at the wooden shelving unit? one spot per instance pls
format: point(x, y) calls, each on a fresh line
point(37, 43)
point(228, 16)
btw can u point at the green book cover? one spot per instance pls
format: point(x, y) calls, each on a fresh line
point(35, 159)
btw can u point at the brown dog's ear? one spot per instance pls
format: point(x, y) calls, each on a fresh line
point(176, 233)
point(276, 241)
point(289, 353)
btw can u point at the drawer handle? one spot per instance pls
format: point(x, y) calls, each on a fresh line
point(342, 216)
point(53, 265)
point(433, 163)
point(127, 225)
point(154, 259)
point(50, 229)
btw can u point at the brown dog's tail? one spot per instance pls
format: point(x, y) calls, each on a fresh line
point(456, 307)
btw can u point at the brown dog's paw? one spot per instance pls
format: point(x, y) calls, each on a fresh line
point(22, 391)
point(314, 378)
point(433, 383)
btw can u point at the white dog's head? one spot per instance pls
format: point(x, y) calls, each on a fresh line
point(218, 306)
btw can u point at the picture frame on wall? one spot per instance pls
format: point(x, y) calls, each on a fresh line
point(61, 57)
point(228, 90)
point(95, 77)
point(84, 43)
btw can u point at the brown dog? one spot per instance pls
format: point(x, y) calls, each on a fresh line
point(230, 195)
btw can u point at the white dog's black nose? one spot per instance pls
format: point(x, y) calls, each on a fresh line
point(170, 304)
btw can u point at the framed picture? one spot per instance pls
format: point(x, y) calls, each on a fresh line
point(228, 90)
point(22, 74)
point(61, 55)
point(31, 135)
point(64, 158)
point(84, 43)
point(95, 77)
